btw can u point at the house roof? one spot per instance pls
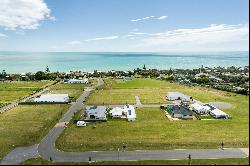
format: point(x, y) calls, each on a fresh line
point(96, 110)
point(53, 97)
point(181, 110)
point(176, 95)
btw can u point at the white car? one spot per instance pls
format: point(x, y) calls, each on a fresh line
point(81, 123)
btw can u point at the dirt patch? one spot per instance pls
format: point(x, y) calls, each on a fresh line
point(221, 105)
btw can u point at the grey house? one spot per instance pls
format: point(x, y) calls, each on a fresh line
point(181, 112)
point(95, 113)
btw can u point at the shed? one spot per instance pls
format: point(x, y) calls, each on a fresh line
point(50, 98)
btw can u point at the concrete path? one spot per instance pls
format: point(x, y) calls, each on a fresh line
point(138, 102)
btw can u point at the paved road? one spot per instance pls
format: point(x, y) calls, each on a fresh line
point(20, 154)
point(46, 149)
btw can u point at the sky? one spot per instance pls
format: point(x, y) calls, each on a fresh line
point(124, 25)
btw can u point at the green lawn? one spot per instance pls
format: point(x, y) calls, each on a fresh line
point(240, 161)
point(74, 90)
point(152, 130)
point(150, 91)
point(13, 91)
point(27, 125)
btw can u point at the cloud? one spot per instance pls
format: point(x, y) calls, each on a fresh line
point(150, 17)
point(23, 14)
point(103, 38)
point(162, 17)
point(145, 18)
point(2, 35)
point(137, 33)
point(75, 43)
point(213, 37)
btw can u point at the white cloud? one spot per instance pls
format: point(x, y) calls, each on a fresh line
point(2, 35)
point(213, 37)
point(23, 14)
point(75, 43)
point(145, 18)
point(137, 33)
point(162, 17)
point(150, 17)
point(103, 38)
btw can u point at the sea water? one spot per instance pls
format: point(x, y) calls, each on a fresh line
point(20, 62)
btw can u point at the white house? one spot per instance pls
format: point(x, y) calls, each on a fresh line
point(81, 123)
point(78, 81)
point(127, 111)
point(216, 113)
point(200, 109)
point(95, 113)
point(171, 96)
point(50, 98)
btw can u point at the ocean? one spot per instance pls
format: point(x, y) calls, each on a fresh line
point(20, 62)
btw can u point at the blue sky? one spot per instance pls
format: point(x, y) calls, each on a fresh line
point(124, 25)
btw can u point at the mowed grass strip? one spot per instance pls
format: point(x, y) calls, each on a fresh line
point(236, 161)
point(26, 125)
point(13, 91)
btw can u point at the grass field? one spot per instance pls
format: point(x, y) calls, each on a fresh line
point(243, 161)
point(150, 91)
point(26, 125)
point(13, 91)
point(152, 130)
point(74, 90)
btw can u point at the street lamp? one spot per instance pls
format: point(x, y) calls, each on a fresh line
point(118, 153)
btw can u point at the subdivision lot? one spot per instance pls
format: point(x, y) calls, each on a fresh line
point(152, 130)
point(150, 91)
point(74, 90)
point(26, 125)
point(13, 91)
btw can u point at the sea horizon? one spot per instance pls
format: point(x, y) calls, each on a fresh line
point(23, 61)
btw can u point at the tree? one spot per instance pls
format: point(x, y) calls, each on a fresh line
point(40, 75)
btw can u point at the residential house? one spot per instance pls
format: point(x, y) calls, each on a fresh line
point(127, 111)
point(171, 96)
point(180, 111)
point(78, 81)
point(96, 113)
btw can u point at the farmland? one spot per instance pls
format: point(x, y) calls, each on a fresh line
point(26, 125)
point(152, 130)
